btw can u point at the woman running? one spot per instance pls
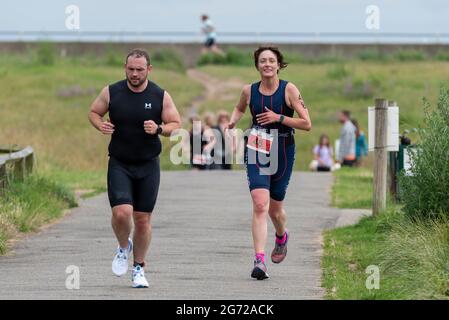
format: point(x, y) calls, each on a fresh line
point(272, 103)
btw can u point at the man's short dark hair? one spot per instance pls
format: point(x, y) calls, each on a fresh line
point(139, 53)
point(347, 113)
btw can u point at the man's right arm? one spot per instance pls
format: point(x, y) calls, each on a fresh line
point(98, 109)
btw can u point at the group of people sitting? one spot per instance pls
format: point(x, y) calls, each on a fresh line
point(210, 133)
point(352, 147)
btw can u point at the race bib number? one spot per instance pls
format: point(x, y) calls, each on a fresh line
point(260, 141)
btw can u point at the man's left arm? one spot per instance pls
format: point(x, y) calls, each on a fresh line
point(170, 116)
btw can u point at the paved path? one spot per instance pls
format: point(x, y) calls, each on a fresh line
point(201, 249)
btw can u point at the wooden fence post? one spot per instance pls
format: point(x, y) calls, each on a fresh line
point(3, 178)
point(380, 156)
point(29, 163)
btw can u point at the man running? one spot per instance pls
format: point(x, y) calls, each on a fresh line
point(272, 102)
point(139, 112)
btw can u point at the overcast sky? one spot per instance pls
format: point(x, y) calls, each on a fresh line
point(413, 16)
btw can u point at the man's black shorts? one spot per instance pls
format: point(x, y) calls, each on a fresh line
point(137, 185)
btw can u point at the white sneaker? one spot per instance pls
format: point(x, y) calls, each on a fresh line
point(120, 262)
point(138, 277)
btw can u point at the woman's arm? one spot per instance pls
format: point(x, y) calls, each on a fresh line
point(240, 108)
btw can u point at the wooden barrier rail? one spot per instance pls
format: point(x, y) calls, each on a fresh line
point(22, 162)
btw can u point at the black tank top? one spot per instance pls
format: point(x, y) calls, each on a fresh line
point(128, 110)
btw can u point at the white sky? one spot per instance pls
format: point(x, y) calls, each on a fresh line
point(412, 16)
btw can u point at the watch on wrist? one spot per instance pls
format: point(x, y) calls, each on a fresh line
point(281, 118)
point(159, 129)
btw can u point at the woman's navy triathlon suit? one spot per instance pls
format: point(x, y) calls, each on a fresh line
point(278, 181)
point(133, 169)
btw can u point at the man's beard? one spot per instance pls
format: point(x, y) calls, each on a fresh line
point(138, 84)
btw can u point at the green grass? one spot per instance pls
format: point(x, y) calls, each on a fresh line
point(29, 204)
point(352, 188)
point(412, 256)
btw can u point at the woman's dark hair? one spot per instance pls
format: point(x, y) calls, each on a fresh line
point(275, 50)
point(322, 137)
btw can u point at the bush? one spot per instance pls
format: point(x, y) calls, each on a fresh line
point(326, 58)
point(232, 57)
point(410, 55)
point(167, 59)
point(45, 54)
point(442, 56)
point(426, 192)
point(372, 54)
point(114, 59)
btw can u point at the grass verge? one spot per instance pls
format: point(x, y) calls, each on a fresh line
point(27, 205)
point(352, 188)
point(412, 257)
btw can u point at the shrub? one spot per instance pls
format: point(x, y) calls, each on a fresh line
point(231, 57)
point(426, 192)
point(372, 54)
point(45, 54)
point(167, 59)
point(442, 56)
point(410, 55)
point(113, 58)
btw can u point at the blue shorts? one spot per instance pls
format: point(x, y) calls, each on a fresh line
point(260, 175)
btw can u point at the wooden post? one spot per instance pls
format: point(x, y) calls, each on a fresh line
point(380, 156)
point(29, 163)
point(3, 178)
point(19, 169)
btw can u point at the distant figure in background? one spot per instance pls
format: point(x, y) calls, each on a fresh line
point(323, 155)
point(221, 153)
point(361, 149)
point(197, 160)
point(346, 152)
point(208, 136)
point(210, 44)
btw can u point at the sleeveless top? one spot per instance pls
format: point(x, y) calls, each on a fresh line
point(276, 102)
point(128, 110)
